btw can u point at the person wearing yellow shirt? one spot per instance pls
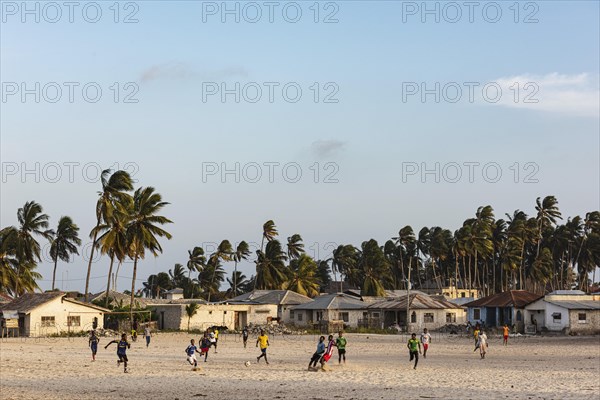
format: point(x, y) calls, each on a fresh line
point(505, 332)
point(263, 341)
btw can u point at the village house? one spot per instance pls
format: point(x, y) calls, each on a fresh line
point(330, 307)
point(50, 313)
point(569, 311)
point(171, 314)
point(501, 308)
point(429, 312)
point(283, 299)
point(450, 291)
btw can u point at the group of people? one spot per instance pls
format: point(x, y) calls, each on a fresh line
point(324, 352)
point(322, 355)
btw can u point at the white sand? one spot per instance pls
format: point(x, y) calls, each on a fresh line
point(377, 368)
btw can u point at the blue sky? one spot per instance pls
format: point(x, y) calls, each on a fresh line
point(369, 135)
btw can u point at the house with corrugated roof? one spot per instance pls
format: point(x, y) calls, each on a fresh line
point(330, 307)
point(501, 308)
point(569, 311)
point(283, 299)
point(45, 314)
point(426, 311)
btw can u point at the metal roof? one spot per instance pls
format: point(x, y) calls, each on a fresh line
point(279, 297)
point(417, 302)
point(30, 301)
point(335, 301)
point(577, 304)
point(511, 298)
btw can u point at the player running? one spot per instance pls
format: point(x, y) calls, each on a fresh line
point(263, 340)
point(191, 351)
point(122, 346)
point(414, 348)
point(425, 340)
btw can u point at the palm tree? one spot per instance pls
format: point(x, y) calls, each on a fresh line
point(269, 233)
point(323, 274)
point(143, 229)
point(177, 275)
point(191, 310)
point(8, 265)
point(406, 241)
point(113, 238)
point(196, 260)
point(65, 243)
point(295, 247)
point(242, 252)
point(211, 277)
point(344, 261)
point(547, 213)
point(303, 276)
point(237, 281)
point(375, 269)
point(270, 266)
point(224, 252)
point(114, 188)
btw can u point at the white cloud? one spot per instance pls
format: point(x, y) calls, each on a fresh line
point(558, 93)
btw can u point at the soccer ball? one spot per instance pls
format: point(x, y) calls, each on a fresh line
point(247, 363)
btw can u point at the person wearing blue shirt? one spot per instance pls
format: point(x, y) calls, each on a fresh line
point(191, 351)
point(122, 346)
point(318, 354)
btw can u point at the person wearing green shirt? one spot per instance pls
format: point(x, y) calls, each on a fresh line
point(414, 348)
point(340, 343)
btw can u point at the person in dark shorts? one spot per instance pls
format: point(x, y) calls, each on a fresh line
point(93, 343)
point(318, 354)
point(122, 346)
point(414, 348)
point(340, 343)
point(204, 346)
point(263, 340)
point(245, 336)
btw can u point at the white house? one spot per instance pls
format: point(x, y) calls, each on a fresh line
point(44, 314)
point(330, 307)
point(565, 310)
point(285, 300)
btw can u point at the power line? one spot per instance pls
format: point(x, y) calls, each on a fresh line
point(83, 279)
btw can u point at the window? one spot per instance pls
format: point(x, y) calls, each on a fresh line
point(582, 318)
point(476, 313)
point(519, 316)
point(344, 316)
point(450, 318)
point(73, 320)
point(299, 316)
point(291, 314)
point(413, 318)
point(462, 294)
point(47, 321)
point(375, 315)
point(428, 317)
point(319, 315)
point(556, 317)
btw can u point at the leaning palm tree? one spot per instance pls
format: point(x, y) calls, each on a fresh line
point(270, 267)
point(242, 252)
point(224, 252)
point(114, 188)
point(269, 233)
point(547, 214)
point(303, 277)
point(143, 229)
point(65, 243)
point(196, 260)
point(295, 247)
point(237, 281)
point(191, 310)
point(375, 269)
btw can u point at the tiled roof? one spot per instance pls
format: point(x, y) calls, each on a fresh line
point(511, 298)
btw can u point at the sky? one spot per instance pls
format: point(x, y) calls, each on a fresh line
point(341, 121)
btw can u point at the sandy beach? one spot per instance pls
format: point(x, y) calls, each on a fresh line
point(377, 368)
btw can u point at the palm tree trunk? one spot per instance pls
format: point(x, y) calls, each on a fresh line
point(470, 277)
point(521, 266)
point(235, 280)
point(54, 272)
point(112, 260)
point(135, 261)
point(89, 270)
point(456, 275)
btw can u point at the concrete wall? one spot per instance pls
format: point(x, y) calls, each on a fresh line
point(60, 310)
point(309, 317)
point(176, 318)
point(591, 326)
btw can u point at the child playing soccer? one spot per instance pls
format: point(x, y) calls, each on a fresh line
point(318, 354)
point(328, 352)
point(263, 340)
point(425, 339)
point(93, 343)
point(204, 346)
point(505, 333)
point(414, 348)
point(191, 351)
point(122, 346)
point(245, 336)
point(340, 343)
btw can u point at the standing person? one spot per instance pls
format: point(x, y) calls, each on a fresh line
point(204, 346)
point(245, 335)
point(425, 339)
point(506, 331)
point(482, 344)
point(216, 332)
point(414, 348)
point(122, 346)
point(93, 343)
point(263, 340)
point(340, 343)
point(212, 339)
point(148, 335)
point(476, 337)
point(191, 351)
point(328, 352)
point(134, 329)
point(318, 354)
